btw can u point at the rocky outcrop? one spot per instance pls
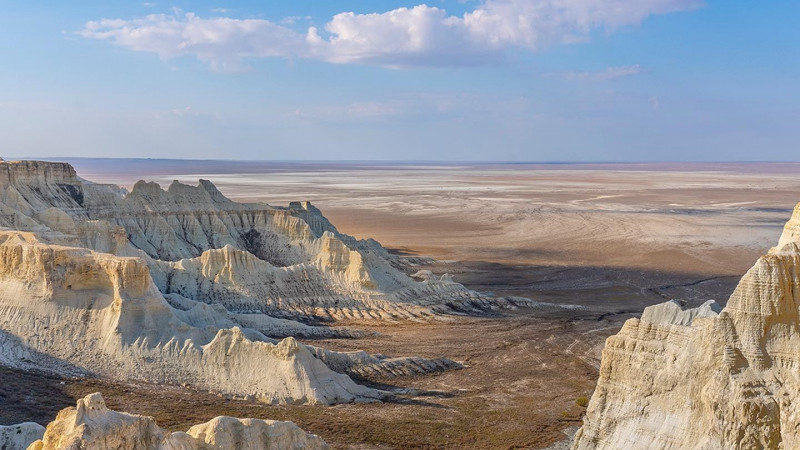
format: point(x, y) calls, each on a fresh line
point(18, 437)
point(671, 313)
point(184, 286)
point(701, 380)
point(92, 426)
point(364, 365)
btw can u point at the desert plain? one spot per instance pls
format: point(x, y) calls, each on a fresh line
point(598, 241)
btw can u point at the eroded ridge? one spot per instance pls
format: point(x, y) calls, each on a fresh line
point(184, 286)
point(705, 378)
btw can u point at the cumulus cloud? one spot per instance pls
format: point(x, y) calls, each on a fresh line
point(222, 42)
point(404, 37)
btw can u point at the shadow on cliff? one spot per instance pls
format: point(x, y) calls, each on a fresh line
point(33, 395)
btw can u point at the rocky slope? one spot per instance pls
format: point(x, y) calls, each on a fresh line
point(92, 426)
point(705, 378)
point(185, 286)
point(289, 261)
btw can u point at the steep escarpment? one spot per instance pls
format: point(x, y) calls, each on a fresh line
point(701, 380)
point(92, 426)
point(184, 286)
point(75, 310)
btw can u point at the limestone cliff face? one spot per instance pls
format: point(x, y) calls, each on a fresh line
point(326, 274)
point(184, 286)
point(701, 380)
point(92, 426)
point(74, 310)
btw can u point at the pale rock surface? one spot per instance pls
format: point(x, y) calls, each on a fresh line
point(671, 313)
point(791, 231)
point(103, 315)
point(18, 437)
point(698, 380)
point(253, 434)
point(184, 286)
point(92, 426)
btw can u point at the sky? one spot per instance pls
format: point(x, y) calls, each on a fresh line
point(450, 80)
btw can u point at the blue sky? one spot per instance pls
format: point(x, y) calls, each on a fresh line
point(516, 80)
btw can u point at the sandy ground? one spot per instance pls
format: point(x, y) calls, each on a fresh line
point(609, 238)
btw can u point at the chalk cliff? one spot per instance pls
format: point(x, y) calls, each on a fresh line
point(184, 286)
point(705, 378)
point(73, 310)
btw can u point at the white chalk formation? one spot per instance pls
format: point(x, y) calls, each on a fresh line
point(184, 286)
point(707, 379)
point(92, 426)
point(19, 437)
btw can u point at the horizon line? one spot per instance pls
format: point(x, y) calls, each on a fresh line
point(398, 161)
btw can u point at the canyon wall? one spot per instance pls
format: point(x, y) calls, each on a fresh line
point(184, 286)
point(708, 378)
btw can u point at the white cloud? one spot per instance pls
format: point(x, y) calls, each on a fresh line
point(222, 42)
point(404, 37)
point(421, 35)
point(609, 73)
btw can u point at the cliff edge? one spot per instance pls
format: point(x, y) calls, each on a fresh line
point(707, 378)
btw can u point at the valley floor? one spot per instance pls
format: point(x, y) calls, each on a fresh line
point(525, 370)
point(519, 390)
point(610, 240)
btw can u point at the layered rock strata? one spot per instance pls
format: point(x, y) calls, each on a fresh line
point(184, 286)
point(75, 311)
point(286, 261)
point(707, 378)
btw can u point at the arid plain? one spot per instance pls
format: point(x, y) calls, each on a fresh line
point(600, 241)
